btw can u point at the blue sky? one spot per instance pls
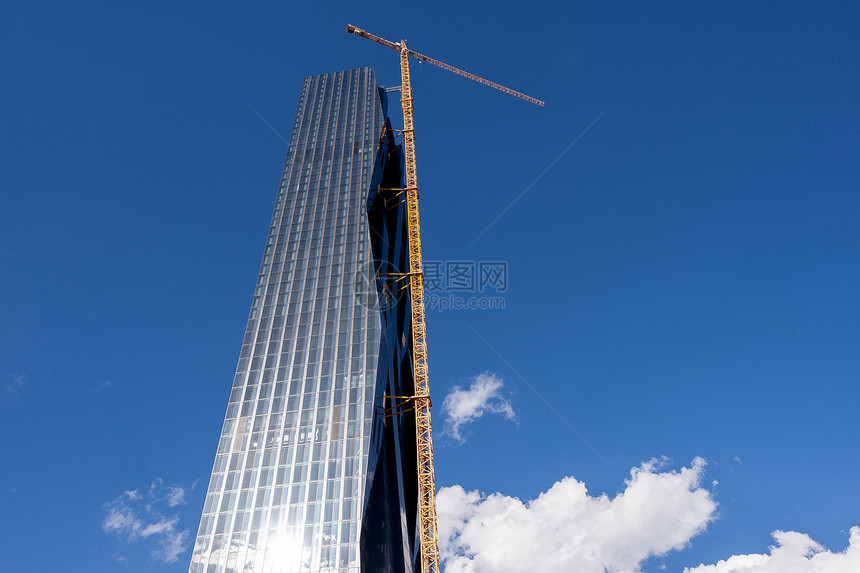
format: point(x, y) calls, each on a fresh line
point(682, 280)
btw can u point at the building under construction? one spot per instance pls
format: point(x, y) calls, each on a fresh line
point(325, 461)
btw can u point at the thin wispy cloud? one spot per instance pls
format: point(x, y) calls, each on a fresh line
point(175, 496)
point(104, 385)
point(14, 389)
point(483, 396)
point(566, 529)
point(16, 385)
point(148, 517)
point(793, 553)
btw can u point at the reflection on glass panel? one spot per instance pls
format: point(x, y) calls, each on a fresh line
point(286, 487)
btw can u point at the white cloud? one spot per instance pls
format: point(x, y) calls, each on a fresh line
point(17, 385)
point(122, 521)
point(566, 529)
point(794, 553)
point(159, 527)
point(483, 396)
point(102, 386)
point(175, 496)
point(134, 518)
point(14, 389)
point(172, 547)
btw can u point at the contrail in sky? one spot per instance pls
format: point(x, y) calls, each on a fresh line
point(538, 394)
point(269, 125)
point(538, 178)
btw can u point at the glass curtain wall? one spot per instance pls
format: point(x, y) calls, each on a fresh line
point(287, 485)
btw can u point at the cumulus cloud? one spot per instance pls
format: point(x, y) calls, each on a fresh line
point(135, 517)
point(794, 553)
point(565, 529)
point(484, 396)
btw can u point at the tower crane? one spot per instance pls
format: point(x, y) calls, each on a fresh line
point(421, 400)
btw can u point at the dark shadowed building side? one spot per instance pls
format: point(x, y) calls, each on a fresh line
point(389, 534)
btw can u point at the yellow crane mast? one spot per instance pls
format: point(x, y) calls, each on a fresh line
point(421, 400)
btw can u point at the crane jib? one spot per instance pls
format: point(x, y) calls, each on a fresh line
point(397, 46)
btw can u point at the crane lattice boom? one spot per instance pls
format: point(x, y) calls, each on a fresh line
point(397, 46)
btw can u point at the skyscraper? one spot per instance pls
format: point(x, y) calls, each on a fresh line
point(287, 492)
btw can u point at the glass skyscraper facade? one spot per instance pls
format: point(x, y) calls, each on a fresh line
point(287, 491)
